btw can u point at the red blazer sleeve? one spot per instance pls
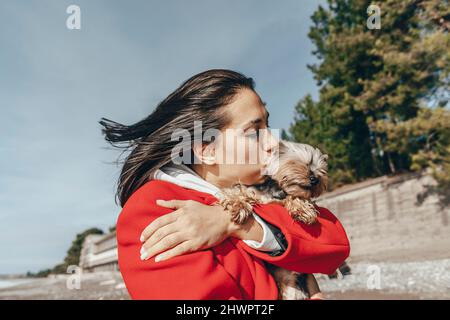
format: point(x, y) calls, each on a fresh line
point(195, 275)
point(316, 248)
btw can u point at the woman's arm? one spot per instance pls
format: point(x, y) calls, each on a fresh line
point(197, 275)
point(250, 230)
point(270, 242)
point(194, 226)
point(316, 248)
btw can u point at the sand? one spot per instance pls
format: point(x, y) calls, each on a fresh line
point(93, 286)
point(398, 279)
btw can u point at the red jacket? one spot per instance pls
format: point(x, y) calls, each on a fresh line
point(230, 270)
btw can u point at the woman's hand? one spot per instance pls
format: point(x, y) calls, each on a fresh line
point(192, 226)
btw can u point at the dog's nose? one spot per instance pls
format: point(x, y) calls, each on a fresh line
point(313, 180)
point(281, 194)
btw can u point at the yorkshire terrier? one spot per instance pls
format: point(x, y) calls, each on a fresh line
point(296, 173)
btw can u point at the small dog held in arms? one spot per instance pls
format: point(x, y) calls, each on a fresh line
point(297, 173)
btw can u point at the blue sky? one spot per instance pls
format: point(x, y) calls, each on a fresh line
point(55, 84)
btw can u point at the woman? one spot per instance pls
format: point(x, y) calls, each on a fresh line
point(174, 242)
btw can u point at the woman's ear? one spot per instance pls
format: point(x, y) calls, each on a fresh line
point(206, 153)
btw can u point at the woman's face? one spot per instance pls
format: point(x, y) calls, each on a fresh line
point(245, 145)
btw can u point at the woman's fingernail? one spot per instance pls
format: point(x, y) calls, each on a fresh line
point(158, 258)
point(142, 238)
point(144, 256)
point(142, 250)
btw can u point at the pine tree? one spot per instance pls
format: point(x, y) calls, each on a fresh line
point(376, 83)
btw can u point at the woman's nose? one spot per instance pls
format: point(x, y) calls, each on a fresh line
point(270, 141)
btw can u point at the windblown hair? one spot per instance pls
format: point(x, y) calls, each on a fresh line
point(200, 98)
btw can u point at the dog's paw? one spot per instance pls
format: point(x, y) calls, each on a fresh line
point(239, 202)
point(301, 210)
point(239, 211)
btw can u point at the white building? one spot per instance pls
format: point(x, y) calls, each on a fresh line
point(99, 253)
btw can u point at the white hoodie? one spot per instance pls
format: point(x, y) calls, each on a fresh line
point(185, 177)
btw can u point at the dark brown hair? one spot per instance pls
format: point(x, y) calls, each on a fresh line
point(199, 98)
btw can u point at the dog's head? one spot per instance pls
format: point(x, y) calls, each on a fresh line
point(299, 169)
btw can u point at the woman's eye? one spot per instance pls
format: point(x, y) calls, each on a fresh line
point(253, 134)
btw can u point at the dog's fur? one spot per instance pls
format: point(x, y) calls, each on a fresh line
point(297, 173)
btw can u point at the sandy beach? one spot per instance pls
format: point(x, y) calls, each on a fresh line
point(397, 280)
point(423, 279)
point(93, 286)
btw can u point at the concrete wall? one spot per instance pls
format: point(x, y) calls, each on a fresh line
point(382, 217)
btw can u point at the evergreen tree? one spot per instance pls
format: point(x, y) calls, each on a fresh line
point(375, 86)
point(73, 254)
